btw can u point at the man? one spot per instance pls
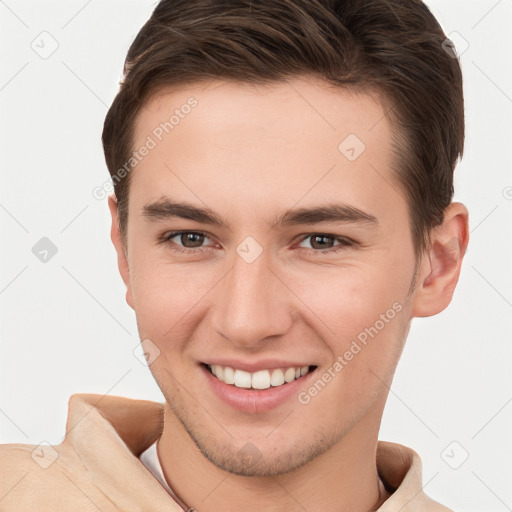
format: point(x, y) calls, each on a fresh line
point(283, 176)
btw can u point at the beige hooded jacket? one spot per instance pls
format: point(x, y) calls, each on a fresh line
point(96, 467)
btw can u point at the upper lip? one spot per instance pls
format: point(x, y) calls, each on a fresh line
point(254, 366)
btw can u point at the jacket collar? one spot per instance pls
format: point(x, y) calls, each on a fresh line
point(125, 427)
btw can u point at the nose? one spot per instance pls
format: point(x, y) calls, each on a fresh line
point(252, 303)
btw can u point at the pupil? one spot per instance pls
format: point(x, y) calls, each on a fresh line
point(188, 238)
point(322, 245)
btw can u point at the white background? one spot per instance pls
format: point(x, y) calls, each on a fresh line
point(65, 325)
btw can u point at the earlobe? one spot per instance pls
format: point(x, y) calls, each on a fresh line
point(440, 268)
point(122, 259)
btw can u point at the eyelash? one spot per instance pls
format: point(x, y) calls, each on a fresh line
point(166, 239)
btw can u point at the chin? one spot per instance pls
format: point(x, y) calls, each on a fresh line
point(263, 458)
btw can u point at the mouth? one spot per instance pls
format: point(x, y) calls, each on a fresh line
point(259, 380)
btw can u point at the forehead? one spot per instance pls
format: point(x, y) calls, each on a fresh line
point(298, 106)
point(287, 137)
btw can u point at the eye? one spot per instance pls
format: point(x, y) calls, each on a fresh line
point(191, 241)
point(321, 243)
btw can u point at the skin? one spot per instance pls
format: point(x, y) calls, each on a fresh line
point(248, 153)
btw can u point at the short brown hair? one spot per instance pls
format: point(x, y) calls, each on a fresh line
point(395, 48)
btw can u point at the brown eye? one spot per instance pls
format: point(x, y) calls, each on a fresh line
point(191, 239)
point(322, 243)
point(186, 241)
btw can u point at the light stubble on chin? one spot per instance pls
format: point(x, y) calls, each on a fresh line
point(245, 459)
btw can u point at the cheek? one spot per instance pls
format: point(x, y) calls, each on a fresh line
point(344, 301)
point(363, 317)
point(365, 352)
point(165, 295)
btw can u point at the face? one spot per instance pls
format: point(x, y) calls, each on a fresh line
point(259, 283)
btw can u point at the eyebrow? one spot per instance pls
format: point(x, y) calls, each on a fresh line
point(165, 208)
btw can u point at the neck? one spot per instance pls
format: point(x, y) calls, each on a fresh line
point(344, 478)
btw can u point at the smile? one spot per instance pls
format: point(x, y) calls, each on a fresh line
point(262, 379)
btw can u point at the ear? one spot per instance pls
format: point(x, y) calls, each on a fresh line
point(122, 258)
point(440, 266)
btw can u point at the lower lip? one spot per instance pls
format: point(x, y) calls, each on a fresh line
point(255, 401)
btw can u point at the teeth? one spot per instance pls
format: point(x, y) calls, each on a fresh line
point(262, 379)
point(242, 379)
point(289, 374)
point(229, 375)
point(277, 377)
